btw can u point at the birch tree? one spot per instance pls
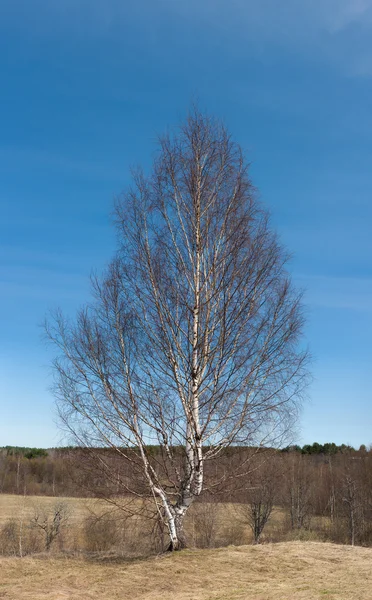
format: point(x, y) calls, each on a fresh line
point(193, 339)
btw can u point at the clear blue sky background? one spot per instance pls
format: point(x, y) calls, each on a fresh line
point(85, 87)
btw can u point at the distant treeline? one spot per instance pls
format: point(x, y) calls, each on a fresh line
point(72, 471)
point(23, 451)
point(327, 448)
point(27, 452)
point(315, 448)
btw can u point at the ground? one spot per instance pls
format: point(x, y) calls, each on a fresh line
point(12, 506)
point(285, 571)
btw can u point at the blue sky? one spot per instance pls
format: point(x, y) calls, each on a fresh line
point(85, 88)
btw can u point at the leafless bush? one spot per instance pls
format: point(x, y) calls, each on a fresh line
point(116, 533)
point(51, 521)
point(256, 512)
point(101, 533)
point(204, 524)
point(9, 538)
point(232, 534)
point(18, 540)
point(259, 495)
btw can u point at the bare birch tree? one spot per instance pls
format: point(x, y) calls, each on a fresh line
point(193, 340)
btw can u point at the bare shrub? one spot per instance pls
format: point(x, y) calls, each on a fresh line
point(142, 540)
point(232, 534)
point(259, 494)
point(9, 538)
point(101, 533)
point(117, 533)
point(18, 540)
point(256, 512)
point(51, 521)
point(204, 524)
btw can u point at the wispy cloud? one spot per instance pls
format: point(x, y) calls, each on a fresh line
point(333, 31)
point(267, 17)
point(288, 18)
point(349, 293)
point(349, 12)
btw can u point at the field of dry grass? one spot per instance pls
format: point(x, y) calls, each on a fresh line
point(299, 570)
point(286, 571)
point(206, 524)
point(94, 526)
point(12, 506)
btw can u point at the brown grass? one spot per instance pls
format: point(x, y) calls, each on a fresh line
point(207, 526)
point(298, 570)
point(225, 529)
point(12, 507)
point(269, 572)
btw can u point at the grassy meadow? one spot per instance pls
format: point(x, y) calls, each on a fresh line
point(94, 526)
point(114, 560)
point(284, 571)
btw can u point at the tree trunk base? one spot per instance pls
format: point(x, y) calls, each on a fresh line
point(175, 547)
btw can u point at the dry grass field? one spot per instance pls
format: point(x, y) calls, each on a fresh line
point(282, 571)
point(12, 506)
point(220, 524)
point(206, 525)
point(286, 571)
